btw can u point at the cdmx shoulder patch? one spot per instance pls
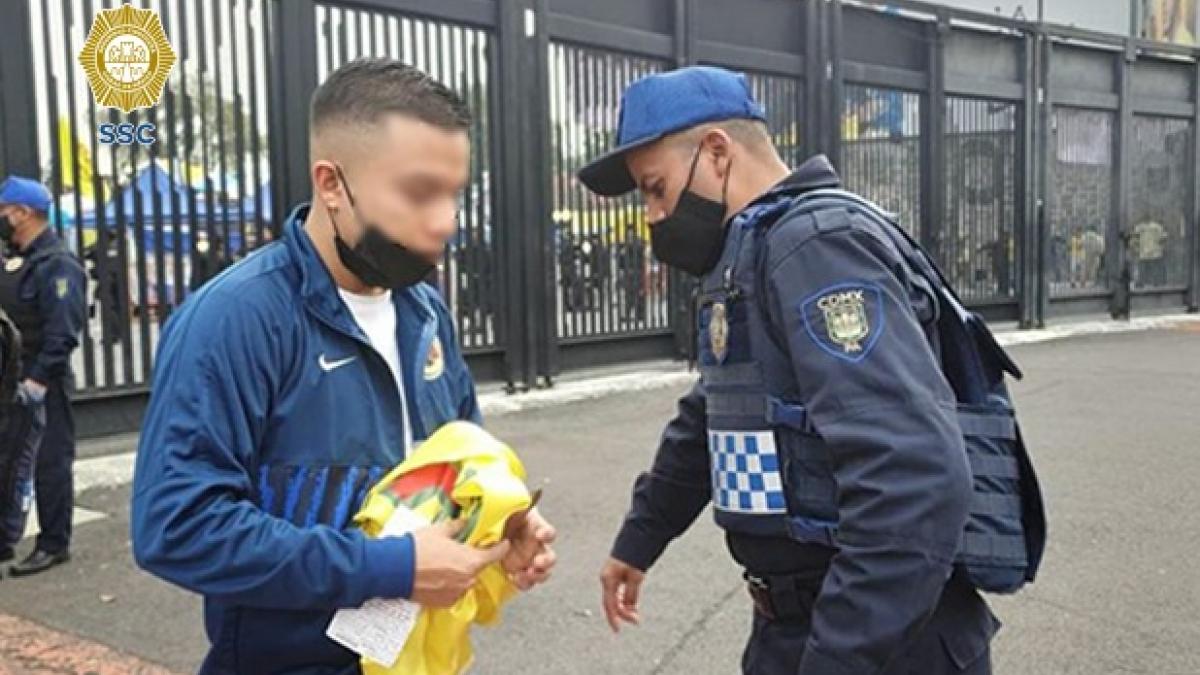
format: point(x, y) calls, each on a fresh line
point(845, 320)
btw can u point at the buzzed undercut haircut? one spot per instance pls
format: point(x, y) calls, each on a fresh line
point(753, 134)
point(362, 91)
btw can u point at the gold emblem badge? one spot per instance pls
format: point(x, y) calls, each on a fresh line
point(846, 319)
point(718, 331)
point(127, 58)
point(435, 362)
point(13, 264)
point(61, 286)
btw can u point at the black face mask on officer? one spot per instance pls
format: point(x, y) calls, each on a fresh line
point(376, 260)
point(693, 236)
point(7, 230)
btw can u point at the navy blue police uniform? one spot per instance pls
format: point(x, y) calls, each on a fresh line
point(42, 289)
point(827, 439)
point(851, 426)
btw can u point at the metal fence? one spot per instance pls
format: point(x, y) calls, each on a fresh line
point(1043, 166)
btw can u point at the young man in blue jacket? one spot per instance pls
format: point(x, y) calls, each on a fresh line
point(293, 381)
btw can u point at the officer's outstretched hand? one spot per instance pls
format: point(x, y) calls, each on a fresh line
point(621, 584)
point(446, 569)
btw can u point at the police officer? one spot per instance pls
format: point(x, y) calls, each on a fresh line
point(821, 429)
point(42, 288)
point(287, 386)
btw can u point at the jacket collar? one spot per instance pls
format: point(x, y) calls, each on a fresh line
point(815, 173)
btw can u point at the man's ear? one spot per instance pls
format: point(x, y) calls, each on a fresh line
point(718, 143)
point(327, 189)
point(718, 148)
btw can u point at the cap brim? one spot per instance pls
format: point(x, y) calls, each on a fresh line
point(608, 175)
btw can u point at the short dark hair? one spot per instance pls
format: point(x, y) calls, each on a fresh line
point(363, 90)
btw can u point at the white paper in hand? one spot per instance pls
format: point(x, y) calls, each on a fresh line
point(379, 629)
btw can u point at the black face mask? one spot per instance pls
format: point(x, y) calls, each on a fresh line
point(7, 231)
point(693, 236)
point(376, 260)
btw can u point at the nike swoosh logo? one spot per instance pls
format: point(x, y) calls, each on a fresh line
point(333, 365)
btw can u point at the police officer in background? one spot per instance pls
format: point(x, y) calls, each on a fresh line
point(822, 428)
point(42, 289)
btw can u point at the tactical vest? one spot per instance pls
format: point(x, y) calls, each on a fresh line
point(771, 473)
point(19, 298)
point(10, 359)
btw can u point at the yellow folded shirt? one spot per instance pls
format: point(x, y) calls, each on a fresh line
point(462, 472)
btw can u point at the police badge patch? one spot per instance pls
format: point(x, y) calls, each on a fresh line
point(718, 331)
point(845, 320)
point(61, 286)
point(13, 264)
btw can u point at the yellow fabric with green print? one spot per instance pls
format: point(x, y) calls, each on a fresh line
point(462, 472)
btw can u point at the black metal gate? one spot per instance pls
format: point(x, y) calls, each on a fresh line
point(1042, 165)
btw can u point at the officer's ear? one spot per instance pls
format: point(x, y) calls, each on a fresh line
point(717, 147)
point(20, 213)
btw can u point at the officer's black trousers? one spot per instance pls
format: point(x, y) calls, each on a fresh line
point(55, 478)
point(954, 642)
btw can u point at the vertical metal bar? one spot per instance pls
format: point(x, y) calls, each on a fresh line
point(452, 41)
point(375, 51)
point(810, 101)
point(1027, 241)
point(295, 36)
point(393, 46)
point(255, 145)
point(1045, 198)
point(222, 162)
point(578, 214)
point(933, 160)
point(489, 69)
point(177, 175)
point(173, 176)
point(89, 357)
point(681, 33)
point(542, 271)
point(592, 102)
point(102, 229)
point(140, 253)
point(188, 244)
point(1193, 295)
point(239, 132)
point(342, 36)
point(461, 259)
point(119, 235)
point(559, 168)
point(836, 85)
point(601, 255)
point(18, 114)
point(357, 17)
point(507, 70)
point(327, 33)
point(205, 139)
point(1121, 301)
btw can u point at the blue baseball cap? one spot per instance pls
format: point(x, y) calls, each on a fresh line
point(664, 103)
point(25, 192)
